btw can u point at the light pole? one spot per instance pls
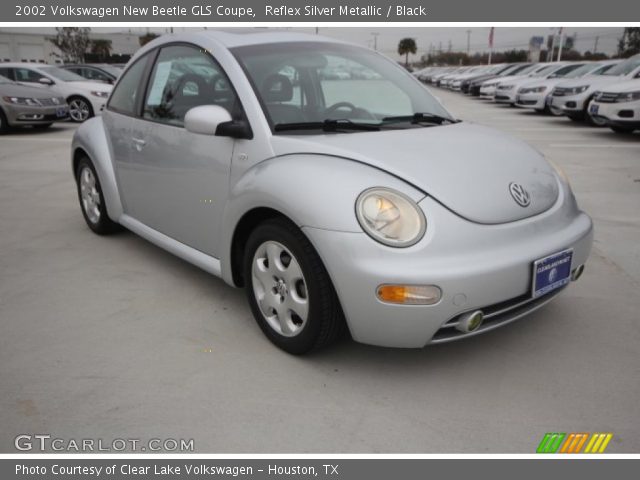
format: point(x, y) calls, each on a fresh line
point(375, 40)
point(468, 42)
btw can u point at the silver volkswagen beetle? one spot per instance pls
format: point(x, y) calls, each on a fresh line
point(332, 186)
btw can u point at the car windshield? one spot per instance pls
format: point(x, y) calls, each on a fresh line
point(308, 83)
point(542, 72)
point(115, 71)
point(61, 74)
point(583, 70)
point(625, 68)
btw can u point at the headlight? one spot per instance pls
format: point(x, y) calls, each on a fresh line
point(576, 90)
point(22, 101)
point(532, 90)
point(100, 94)
point(390, 217)
point(628, 96)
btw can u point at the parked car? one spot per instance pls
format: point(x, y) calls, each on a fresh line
point(328, 201)
point(489, 87)
point(22, 105)
point(618, 106)
point(85, 98)
point(507, 90)
point(573, 97)
point(475, 84)
point(537, 93)
point(99, 72)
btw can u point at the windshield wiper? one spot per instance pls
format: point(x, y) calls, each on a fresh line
point(419, 118)
point(327, 126)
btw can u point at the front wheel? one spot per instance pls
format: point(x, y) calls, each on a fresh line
point(289, 290)
point(91, 199)
point(622, 130)
point(80, 109)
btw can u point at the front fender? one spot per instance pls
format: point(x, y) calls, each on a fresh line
point(311, 190)
point(91, 138)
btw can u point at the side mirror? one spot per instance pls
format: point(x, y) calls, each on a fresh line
point(45, 81)
point(215, 120)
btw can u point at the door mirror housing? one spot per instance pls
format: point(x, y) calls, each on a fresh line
point(215, 120)
point(45, 81)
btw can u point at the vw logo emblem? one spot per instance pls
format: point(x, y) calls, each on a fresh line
point(519, 194)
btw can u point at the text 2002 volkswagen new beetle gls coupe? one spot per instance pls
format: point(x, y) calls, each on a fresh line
point(332, 185)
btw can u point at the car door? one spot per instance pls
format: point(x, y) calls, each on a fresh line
point(175, 181)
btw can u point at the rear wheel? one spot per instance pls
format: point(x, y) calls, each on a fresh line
point(91, 199)
point(289, 290)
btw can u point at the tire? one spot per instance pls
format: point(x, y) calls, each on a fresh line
point(42, 126)
point(91, 199)
point(4, 125)
point(283, 273)
point(80, 109)
point(622, 130)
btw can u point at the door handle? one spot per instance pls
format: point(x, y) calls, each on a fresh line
point(139, 143)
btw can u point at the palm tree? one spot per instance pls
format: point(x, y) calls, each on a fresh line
point(405, 47)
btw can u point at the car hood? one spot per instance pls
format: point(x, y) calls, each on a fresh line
point(20, 90)
point(92, 86)
point(623, 87)
point(542, 82)
point(594, 81)
point(466, 167)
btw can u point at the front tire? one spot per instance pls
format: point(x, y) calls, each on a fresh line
point(91, 199)
point(622, 130)
point(289, 290)
point(80, 109)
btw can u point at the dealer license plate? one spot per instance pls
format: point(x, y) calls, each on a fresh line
point(552, 272)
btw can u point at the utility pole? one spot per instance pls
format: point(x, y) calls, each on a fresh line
point(468, 42)
point(440, 48)
point(375, 40)
point(561, 42)
point(449, 46)
point(595, 44)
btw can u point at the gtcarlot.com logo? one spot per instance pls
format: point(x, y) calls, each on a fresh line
point(45, 442)
point(574, 442)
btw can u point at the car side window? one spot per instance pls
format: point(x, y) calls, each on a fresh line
point(184, 77)
point(125, 95)
point(93, 74)
point(26, 75)
point(7, 73)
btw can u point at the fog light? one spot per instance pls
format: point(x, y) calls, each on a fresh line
point(577, 273)
point(409, 294)
point(470, 322)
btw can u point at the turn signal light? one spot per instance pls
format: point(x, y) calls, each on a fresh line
point(409, 294)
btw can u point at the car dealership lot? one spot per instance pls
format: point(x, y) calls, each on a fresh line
point(111, 337)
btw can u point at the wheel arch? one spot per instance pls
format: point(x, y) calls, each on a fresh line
point(320, 192)
point(90, 141)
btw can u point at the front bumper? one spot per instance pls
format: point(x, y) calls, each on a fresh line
point(570, 104)
point(623, 114)
point(531, 100)
point(475, 266)
point(505, 96)
point(34, 115)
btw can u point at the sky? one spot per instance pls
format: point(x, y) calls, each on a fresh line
point(387, 38)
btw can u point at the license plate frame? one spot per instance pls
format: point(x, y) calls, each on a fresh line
point(62, 112)
point(551, 272)
point(593, 109)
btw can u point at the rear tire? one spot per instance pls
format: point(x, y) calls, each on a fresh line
point(91, 199)
point(289, 290)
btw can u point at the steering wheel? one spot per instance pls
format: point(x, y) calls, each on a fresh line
point(353, 110)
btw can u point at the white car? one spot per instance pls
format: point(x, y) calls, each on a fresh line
point(537, 93)
point(85, 98)
point(488, 89)
point(573, 97)
point(506, 92)
point(619, 106)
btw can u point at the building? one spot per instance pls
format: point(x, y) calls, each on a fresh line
point(21, 45)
